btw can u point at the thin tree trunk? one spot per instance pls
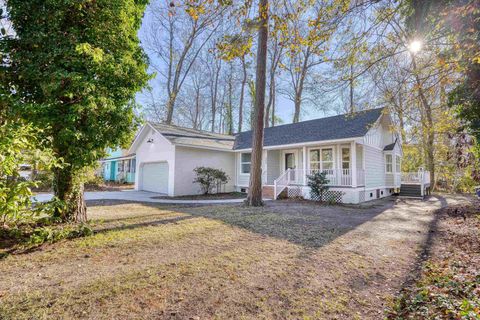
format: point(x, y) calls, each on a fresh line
point(270, 99)
point(298, 100)
point(229, 114)
point(352, 106)
point(197, 108)
point(401, 118)
point(170, 106)
point(214, 96)
point(255, 187)
point(430, 143)
point(274, 93)
point(242, 93)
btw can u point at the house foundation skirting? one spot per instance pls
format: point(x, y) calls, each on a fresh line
point(339, 194)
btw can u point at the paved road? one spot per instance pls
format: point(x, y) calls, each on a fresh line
point(141, 196)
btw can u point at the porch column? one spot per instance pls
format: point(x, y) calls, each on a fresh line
point(264, 167)
point(304, 165)
point(353, 156)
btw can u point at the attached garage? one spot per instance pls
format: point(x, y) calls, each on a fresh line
point(155, 177)
point(168, 155)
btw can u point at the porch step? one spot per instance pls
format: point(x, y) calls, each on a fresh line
point(411, 190)
point(267, 192)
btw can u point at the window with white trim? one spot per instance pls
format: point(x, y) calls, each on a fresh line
point(388, 163)
point(245, 162)
point(120, 166)
point(345, 158)
point(315, 159)
point(398, 164)
point(327, 159)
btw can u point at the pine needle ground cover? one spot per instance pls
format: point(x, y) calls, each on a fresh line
point(448, 286)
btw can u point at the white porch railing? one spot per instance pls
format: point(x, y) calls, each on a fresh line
point(336, 177)
point(281, 183)
point(421, 178)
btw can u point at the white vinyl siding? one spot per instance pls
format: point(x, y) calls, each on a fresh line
point(359, 157)
point(273, 165)
point(374, 164)
point(187, 159)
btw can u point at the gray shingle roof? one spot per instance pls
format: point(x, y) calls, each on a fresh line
point(391, 146)
point(194, 138)
point(337, 127)
point(176, 131)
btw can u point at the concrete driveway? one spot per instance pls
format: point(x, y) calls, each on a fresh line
point(139, 196)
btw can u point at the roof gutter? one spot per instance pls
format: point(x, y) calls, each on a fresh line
point(312, 143)
point(203, 147)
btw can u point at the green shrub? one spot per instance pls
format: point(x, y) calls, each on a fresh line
point(210, 178)
point(318, 184)
point(18, 144)
point(49, 234)
point(44, 181)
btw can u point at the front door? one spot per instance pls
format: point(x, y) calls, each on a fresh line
point(113, 170)
point(290, 163)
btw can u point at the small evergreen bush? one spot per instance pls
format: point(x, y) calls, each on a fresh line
point(210, 179)
point(318, 184)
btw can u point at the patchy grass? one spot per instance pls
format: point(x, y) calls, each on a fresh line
point(448, 286)
point(287, 260)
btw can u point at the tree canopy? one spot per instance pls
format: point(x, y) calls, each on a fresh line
point(75, 67)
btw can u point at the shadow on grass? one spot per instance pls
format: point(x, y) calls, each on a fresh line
point(299, 222)
point(151, 223)
point(303, 223)
point(426, 246)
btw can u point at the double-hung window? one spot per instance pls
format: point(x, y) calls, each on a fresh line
point(321, 159)
point(398, 164)
point(315, 160)
point(327, 159)
point(345, 158)
point(245, 162)
point(120, 165)
point(388, 163)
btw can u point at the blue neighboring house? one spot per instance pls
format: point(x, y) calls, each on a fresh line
point(119, 166)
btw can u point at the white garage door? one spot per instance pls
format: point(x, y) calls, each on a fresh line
point(155, 177)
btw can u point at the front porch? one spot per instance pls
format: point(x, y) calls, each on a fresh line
point(342, 162)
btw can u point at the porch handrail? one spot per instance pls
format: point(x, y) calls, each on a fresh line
point(421, 177)
point(281, 183)
point(411, 177)
point(336, 177)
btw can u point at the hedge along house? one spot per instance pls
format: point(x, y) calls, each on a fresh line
point(119, 166)
point(167, 155)
point(360, 153)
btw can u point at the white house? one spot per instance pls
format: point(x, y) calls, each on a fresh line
point(360, 152)
point(167, 155)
